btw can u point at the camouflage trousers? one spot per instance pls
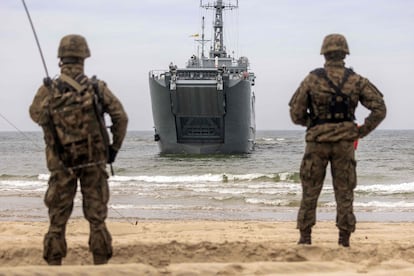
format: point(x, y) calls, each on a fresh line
point(341, 156)
point(59, 199)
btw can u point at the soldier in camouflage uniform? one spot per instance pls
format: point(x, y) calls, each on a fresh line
point(325, 103)
point(67, 165)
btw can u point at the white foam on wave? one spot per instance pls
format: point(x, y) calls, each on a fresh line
point(387, 189)
point(386, 204)
point(379, 204)
point(148, 207)
point(269, 202)
point(168, 178)
point(21, 187)
point(123, 206)
point(224, 177)
point(20, 184)
point(43, 176)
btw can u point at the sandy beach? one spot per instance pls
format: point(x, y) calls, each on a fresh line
point(214, 248)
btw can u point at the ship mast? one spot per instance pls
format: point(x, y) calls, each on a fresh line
point(202, 41)
point(218, 47)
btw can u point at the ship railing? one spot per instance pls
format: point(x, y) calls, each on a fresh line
point(157, 74)
point(196, 81)
point(197, 75)
point(234, 74)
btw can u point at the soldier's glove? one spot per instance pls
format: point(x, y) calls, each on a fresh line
point(111, 154)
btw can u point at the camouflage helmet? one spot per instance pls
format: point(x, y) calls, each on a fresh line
point(73, 46)
point(334, 42)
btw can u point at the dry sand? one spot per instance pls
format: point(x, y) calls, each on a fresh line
point(214, 248)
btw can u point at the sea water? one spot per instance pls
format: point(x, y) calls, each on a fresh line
point(263, 185)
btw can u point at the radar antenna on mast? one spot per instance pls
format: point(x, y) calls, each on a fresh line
point(218, 46)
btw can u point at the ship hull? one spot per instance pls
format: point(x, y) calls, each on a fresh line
point(198, 118)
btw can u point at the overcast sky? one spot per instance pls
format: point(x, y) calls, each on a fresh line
point(281, 38)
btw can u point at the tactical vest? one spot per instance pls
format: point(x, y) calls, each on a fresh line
point(77, 122)
point(337, 107)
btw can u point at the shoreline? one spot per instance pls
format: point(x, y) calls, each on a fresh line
point(209, 247)
point(276, 214)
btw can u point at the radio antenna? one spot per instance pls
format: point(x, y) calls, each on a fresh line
point(37, 40)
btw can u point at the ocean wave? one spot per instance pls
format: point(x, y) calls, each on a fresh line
point(269, 202)
point(20, 184)
point(387, 189)
point(385, 204)
point(148, 207)
point(224, 177)
point(235, 203)
point(376, 204)
point(12, 176)
point(255, 180)
point(255, 185)
point(270, 140)
point(128, 209)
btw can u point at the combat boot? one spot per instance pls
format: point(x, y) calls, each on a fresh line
point(99, 259)
point(305, 236)
point(344, 238)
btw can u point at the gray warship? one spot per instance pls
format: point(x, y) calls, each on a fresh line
point(208, 107)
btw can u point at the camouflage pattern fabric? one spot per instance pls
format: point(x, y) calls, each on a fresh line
point(74, 109)
point(332, 142)
point(39, 112)
point(59, 199)
point(312, 175)
point(63, 183)
point(315, 91)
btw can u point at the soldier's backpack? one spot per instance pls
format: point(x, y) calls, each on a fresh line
point(77, 121)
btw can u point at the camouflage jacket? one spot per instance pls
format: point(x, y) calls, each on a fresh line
point(314, 94)
point(39, 112)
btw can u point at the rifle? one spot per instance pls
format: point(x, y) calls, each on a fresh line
point(98, 105)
